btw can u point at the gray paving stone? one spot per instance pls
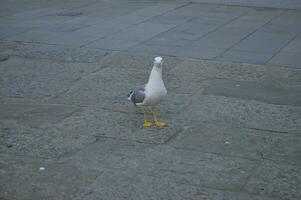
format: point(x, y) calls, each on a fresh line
point(260, 91)
point(125, 126)
point(142, 31)
point(240, 142)
point(250, 114)
point(199, 52)
point(294, 46)
point(112, 44)
point(8, 31)
point(279, 181)
point(120, 185)
point(96, 30)
point(41, 78)
point(73, 39)
point(201, 69)
point(55, 53)
point(242, 56)
point(21, 178)
point(289, 4)
point(154, 49)
point(290, 59)
point(33, 36)
point(170, 18)
point(35, 115)
point(262, 42)
point(46, 142)
point(159, 8)
point(180, 166)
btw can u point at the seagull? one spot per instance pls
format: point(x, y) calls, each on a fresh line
point(150, 94)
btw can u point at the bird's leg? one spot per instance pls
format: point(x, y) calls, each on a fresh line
point(156, 122)
point(146, 123)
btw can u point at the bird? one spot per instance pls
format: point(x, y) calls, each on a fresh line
point(150, 94)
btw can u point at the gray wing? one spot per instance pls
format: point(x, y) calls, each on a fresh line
point(138, 95)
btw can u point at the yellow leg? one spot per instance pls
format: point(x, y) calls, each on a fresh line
point(146, 123)
point(156, 121)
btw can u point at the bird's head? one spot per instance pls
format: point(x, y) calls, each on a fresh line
point(158, 61)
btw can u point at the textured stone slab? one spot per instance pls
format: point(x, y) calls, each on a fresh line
point(57, 53)
point(251, 114)
point(261, 91)
point(40, 142)
point(125, 126)
point(288, 59)
point(279, 181)
point(180, 166)
point(112, 44)
point(223, 139)
point(40, 36)
point(242, 56)
point(200, 69)
point(36, 78)
point(120, 185)
point(142, 31)
point(22, 179)
point(35, 115)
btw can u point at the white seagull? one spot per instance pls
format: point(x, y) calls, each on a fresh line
point(150, 94)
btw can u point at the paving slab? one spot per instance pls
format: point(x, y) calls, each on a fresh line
point(124, 126)
point(46, 142)
point(41, 78)
point(272, 92)
point(33, 178)
point(120, 185)
point(180, 166)
point(252, 144)
point(54, 53)
point(142, 31)
point(244, 113)
point(279, 181)
point(36, 115)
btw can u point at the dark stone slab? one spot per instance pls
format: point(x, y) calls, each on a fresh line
point(120, 185)
point(39, 78)
point(246, 113)
point(279, 181)
point(200, 69)
point(223, 139)
point(180, 166)
point(22, 178)
point(57, 53)
point(126, 126)
point(269, 92)
point(35, 115)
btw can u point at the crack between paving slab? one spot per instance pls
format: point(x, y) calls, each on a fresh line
point(244, 185)
point(296, 36)
point(214, 153)
point(227, 49)
point(77, 81)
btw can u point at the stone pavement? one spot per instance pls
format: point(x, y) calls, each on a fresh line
point(233, 111)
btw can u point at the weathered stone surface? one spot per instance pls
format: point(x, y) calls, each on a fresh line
point(126, 126)
point(269, 92)
point(40, 142)
point(279, 181)
point(22, 178)
point(225, 70)
point(223, 139)
point(120, 185)
point(251, 114)
point(35, 115)
point(57, 53)
point(177, 165)
point(39, 78)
